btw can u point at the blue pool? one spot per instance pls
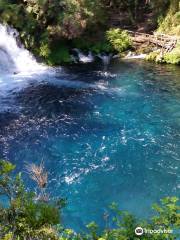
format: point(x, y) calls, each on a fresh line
point(105, 135)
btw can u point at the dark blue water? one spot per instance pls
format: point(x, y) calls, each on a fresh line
point(104, 137)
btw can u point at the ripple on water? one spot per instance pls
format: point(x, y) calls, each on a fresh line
point(103, 137)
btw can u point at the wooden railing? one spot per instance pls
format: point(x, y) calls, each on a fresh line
point(165, 41)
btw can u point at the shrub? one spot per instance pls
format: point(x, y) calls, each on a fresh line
point(27, 215)
point(173, 57)
point(94, 46)
point(152, 56)
point(119, 39)
point(66, 19)
point(170, 24)
point(103, 46)
point(82, 44)
point(45, 50)
point(59, 54)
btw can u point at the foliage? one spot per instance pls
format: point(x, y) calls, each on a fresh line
point(119, 39)
point(27, 217)
point(45, 50)
point(170, 23)
point(152, 56)
point(103, 46)
point(59, 54)
point(93, 46)
point(173, 57)
point(166, 217)
point(43, 23)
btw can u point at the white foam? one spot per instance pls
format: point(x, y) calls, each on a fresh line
point(131, 55)
point(84, 58)
point(14, 58)
point(18, 67)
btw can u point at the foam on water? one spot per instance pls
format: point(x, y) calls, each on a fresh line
point(14, 58)
point(83, 58)
point(103, 137)
point(18, 67)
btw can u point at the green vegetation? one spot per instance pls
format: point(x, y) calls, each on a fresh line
point(55, 53)
point(153, 56)
point(28, 214)
point(170, 23)
point(50, 29)
point(45, 25)
point(119, 39)
point(34, 215)
point(91, 45)
point(174, 56)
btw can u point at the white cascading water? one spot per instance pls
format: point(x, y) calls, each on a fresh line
point(106, 58)
point(84, 58)
point(14, 58)
point(18, 67)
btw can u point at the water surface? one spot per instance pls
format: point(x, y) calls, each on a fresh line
point(104, 135)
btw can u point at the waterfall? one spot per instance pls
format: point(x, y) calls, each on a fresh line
point(81, 57)
point(14, 58)
point(18, 67)
point(84, 58)
point(106, 58)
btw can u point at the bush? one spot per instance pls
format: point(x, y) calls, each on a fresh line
point(93, 46)
point(173, 57)
point(170, 23)
point(59, 54)
point(100, 47)
point(45, 50)
point(41, 23)
point(152, 56)
point(28, 215)
point(119, 39)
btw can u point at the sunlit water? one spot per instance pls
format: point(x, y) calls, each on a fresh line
point(104, 136)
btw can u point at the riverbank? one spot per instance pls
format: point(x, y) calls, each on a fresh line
point(51, 31)
point(156, 47)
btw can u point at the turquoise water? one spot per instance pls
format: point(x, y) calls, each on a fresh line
point(105, 135)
